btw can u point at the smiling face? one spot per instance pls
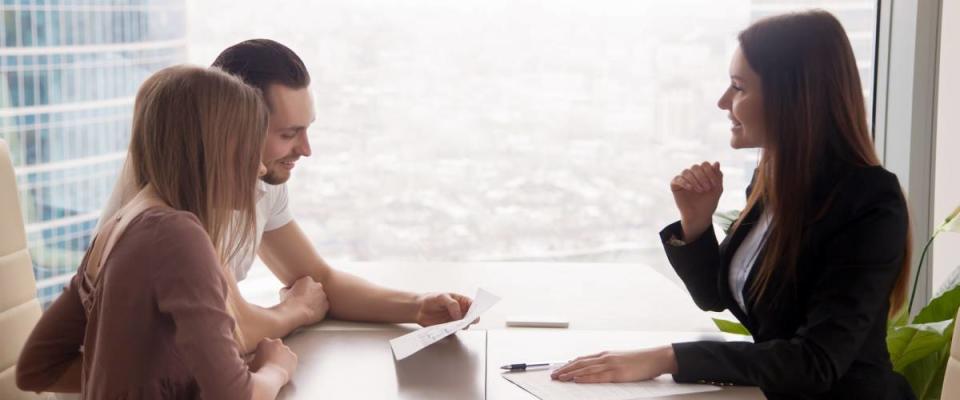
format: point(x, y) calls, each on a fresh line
point(743, 100)
point(291, 113)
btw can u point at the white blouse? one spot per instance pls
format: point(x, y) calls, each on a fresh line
point(742, 262)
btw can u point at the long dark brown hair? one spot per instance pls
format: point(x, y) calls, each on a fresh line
point(814, 116)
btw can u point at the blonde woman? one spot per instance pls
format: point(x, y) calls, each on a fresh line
point(148, 313)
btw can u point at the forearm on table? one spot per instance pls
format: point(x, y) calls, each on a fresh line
point(290, 256)
point(355, 299)
point(257, 323)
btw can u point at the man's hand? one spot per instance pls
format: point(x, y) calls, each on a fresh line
point(437, 308)
point(307, 296)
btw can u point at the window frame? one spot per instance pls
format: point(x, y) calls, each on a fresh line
point(905, 114)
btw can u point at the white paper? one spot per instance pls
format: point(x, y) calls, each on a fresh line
point(539, 384)
point(406, 345)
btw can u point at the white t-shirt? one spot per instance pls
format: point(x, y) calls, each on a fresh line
point(273, 212)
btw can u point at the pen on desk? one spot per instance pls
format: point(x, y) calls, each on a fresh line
point(524, 367)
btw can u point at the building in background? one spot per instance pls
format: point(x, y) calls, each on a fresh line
point(69, 71)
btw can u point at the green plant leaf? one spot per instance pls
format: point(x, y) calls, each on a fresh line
point(940, 308)
point(923, 378)
point(911, 343)
point(735, 328)
point(935, 388)
point(919, 352)
point(952, 223)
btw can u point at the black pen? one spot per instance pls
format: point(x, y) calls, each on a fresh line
point(524, 367)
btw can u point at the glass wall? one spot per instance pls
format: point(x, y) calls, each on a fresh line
point(69, 71)
point(499, 130)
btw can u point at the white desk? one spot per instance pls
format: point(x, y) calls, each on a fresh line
point(589, 295)
point(360, 365)
point(609, 306)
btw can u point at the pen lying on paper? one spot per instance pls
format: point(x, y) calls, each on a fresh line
point(524, 367)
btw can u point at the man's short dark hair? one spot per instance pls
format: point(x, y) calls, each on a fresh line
point(263, 62)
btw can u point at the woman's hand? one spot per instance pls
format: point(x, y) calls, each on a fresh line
point(619, 366)
point(273, 365)
point(272, 352)
point(697, 192)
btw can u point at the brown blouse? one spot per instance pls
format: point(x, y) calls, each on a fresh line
point(153, 324)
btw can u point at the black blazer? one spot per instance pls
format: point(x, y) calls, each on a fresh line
point(824, 338)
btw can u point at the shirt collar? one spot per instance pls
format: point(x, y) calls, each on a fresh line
point(261, 189)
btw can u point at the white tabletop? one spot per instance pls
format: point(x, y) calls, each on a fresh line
point(360, 365)
point(608, 306)
point(589, 295)
point(465, 366)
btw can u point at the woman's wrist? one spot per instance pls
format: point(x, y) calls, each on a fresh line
point(669, 360)
point(268, 380)
point(692, 230)
point(275, 372)
point(291, 313)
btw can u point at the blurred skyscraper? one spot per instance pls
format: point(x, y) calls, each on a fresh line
point(69, 71)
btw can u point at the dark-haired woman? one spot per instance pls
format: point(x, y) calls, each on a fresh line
point(817, 261)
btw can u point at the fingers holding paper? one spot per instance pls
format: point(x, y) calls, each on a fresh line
point(435, 308)
point(626, 366)
point(438, 308)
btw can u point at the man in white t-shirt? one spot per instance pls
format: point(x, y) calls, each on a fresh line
point(283, 79)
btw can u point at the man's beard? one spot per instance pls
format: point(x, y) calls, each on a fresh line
point(274, 178)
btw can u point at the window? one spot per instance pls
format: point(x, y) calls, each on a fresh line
point(508, 130)
point(446, 131)
point(65, 110)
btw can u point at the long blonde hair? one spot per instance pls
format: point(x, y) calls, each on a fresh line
point(197, 138)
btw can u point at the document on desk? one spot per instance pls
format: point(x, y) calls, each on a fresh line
point(538, 383)
point(406, 345)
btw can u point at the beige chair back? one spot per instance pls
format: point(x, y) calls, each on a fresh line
point(19, 308)
point(951, 379)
